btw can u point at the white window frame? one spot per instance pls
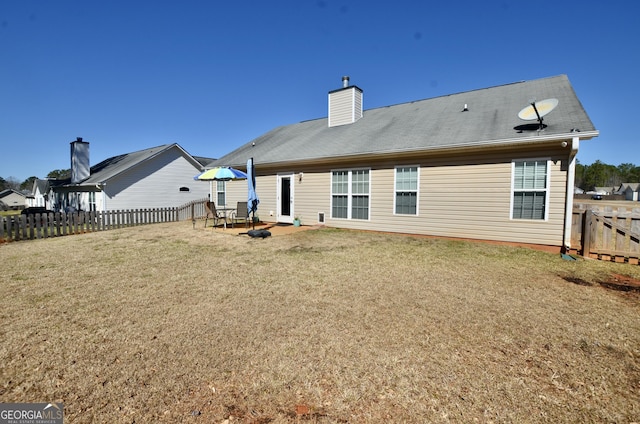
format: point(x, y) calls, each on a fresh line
point(350, 193)
point(223, 192)
point(395, 189)
point(546, 190)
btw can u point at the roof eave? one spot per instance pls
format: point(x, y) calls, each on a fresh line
point(454, 148)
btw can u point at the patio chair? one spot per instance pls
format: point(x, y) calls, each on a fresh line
point(241, 214)
point(212, 213)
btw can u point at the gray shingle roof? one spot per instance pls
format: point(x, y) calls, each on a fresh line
point(115, 165)
point(423, 125)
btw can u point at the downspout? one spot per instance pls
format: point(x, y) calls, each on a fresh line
point(571, 180)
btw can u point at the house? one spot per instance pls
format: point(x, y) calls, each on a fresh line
point(13, 199)
point(631, 191)
point(39, 196)
point(157, 177)
point(463, 165)
point(605, 191)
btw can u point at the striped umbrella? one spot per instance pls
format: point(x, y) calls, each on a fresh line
point(221, 173)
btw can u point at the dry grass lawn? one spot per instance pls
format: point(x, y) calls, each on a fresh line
point(164, 323)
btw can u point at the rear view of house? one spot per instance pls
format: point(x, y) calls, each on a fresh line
point(479, 164)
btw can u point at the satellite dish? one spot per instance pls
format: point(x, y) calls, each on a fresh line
point(536, 110)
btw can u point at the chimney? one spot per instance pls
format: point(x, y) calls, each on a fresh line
point(345, 104)
point(79, 160)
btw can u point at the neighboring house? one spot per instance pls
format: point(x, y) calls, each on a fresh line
point(603, 190)
point(631, 191)
point(152, 178)
point(463, 165)
point(39, 194)
point(13, 199)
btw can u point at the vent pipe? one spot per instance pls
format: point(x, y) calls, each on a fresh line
point(345, 81)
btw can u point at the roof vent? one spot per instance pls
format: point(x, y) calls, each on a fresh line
point(345, 81)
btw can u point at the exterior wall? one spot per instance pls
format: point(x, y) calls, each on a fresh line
point(15, 200)
point(345, 106)
point(153, 184)
point(631, 194)
point(266, 186)
point(467, 198)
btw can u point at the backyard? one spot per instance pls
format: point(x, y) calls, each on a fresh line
point(167, 323)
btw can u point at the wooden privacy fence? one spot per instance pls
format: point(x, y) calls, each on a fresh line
point(55, 224)
point(607, 234)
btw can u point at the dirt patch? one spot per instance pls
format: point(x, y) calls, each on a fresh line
point(622, 283)
point(578, 281)
point(614, 281)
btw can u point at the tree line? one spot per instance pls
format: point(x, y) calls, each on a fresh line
point(599, 174)
point(27, 185)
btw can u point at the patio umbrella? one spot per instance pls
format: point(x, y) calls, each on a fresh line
point(221, 173)
point(252, 197)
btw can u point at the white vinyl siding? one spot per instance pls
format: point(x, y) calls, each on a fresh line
point(530, 195)
point(154, 183)
point(350, 193)
point(406, 194)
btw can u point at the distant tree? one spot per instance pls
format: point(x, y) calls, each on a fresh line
point(579, 174)
point(28, 183)
point(11, 182)
point(600, 174)
point(59, 174)
point(629, 173)
point(595, 175)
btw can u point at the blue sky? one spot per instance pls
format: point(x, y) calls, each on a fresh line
point(211, 76)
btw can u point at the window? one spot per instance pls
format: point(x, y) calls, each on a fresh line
point(92, 201)
point(221, 199)
point(406, 190)
point(350, 194)
point(530, 189)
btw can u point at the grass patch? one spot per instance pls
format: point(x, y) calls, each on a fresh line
point(164, 323)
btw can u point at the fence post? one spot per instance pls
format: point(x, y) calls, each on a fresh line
point(586, 233)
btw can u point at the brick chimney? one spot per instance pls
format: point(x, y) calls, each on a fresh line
point(80, 169)
point(345, 104)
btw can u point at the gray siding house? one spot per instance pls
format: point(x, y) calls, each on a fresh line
point(157, 177)
point(631, 191)
point(463, 165)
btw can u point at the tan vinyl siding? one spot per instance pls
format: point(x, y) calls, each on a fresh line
point(313, 195)
point(265, 188)
point(345, 106)
point(468, 197)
